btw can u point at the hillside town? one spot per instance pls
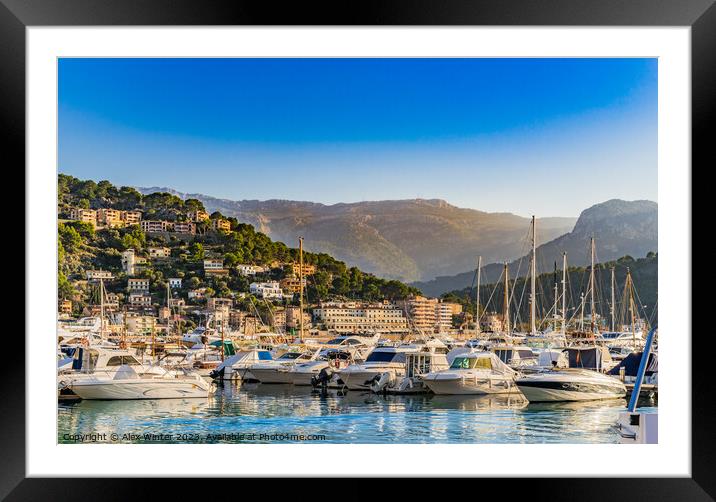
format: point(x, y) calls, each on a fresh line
point(180, 279)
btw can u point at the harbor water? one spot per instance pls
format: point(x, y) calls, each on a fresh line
point(254, 413)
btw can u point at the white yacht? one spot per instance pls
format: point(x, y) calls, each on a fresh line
point(431, 358)
point(569, 384)
point(473, 372)
point(382, 362)
point(126, 383)
point(280, 370)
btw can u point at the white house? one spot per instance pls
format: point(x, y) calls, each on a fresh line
point(268, 290)
point(175, 282)
point(247, 270)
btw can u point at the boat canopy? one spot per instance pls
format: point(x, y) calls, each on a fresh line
point(631, 365)
point(229, 349)
point(592, 358)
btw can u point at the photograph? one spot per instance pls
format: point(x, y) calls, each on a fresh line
point(357, 250)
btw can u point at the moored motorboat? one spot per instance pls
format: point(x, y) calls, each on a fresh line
point(473, 372)
point(126, 383)
point(383, 361)
point(569, 384)
point(278, 371)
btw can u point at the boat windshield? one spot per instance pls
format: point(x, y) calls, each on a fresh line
point(467, 363)
point(385, 357)
point(290, 355)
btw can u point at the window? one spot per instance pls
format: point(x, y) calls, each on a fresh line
point(384, 357)
point(120, 360)
point(465, 363)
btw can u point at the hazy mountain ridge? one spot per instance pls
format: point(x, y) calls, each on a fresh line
point(403, 239)
point(619, 227)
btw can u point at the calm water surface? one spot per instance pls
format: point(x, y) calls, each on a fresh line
point(285, 411)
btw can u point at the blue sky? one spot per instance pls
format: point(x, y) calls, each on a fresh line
point(529, 136)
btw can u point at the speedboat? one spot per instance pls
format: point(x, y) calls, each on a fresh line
point(237, 366)
point(473, 372)
point(322, 369)
point(570, 384)
point(126, 383)
point(381, 361)
point(279, 370)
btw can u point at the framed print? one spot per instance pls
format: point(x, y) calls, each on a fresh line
point(417, 240)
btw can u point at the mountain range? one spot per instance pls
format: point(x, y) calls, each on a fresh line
point(435, 244)
point(620, 228)
point(409, 240)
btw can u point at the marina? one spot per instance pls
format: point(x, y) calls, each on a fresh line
point(564, 378)
point(282, 411)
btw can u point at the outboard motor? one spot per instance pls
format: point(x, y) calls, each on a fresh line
point(218, 374)
point(379, 383)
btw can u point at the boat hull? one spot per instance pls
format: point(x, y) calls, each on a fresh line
point(141, 389)
point(471, 386)
point(272, 376)
point(359, 380)
point(561, 391)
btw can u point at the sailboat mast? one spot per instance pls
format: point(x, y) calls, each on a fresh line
point(533, 273)
point(564, 293)
point(101, 308)
point(555, 314)
point(507, 299)
point(631, 308)
point(613, 304)
point(591, 286)
point(477, 297)
point(300, 282)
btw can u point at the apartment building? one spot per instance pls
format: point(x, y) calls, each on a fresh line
point(154, 225)
point(86, 215)
point(183, 227)
point(159, 252)
point(444, 314)
point(221, 225)
point(219, 303)
point(96, 275)
point(215, 267)
point(131, 217)
point(197, 216)
point(354, 317)
point(140, 299)
point(430, 314)
point(109, 217)
point(141, 324)
point(175, 282)
point(138, 285)
point(268, 290)
point(292, 284)
point(307, 269)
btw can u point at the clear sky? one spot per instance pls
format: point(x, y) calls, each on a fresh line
point(529, 136)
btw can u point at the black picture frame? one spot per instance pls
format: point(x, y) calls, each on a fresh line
point(700, 15)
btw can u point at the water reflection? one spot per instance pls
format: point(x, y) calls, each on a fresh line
point(356, 417)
